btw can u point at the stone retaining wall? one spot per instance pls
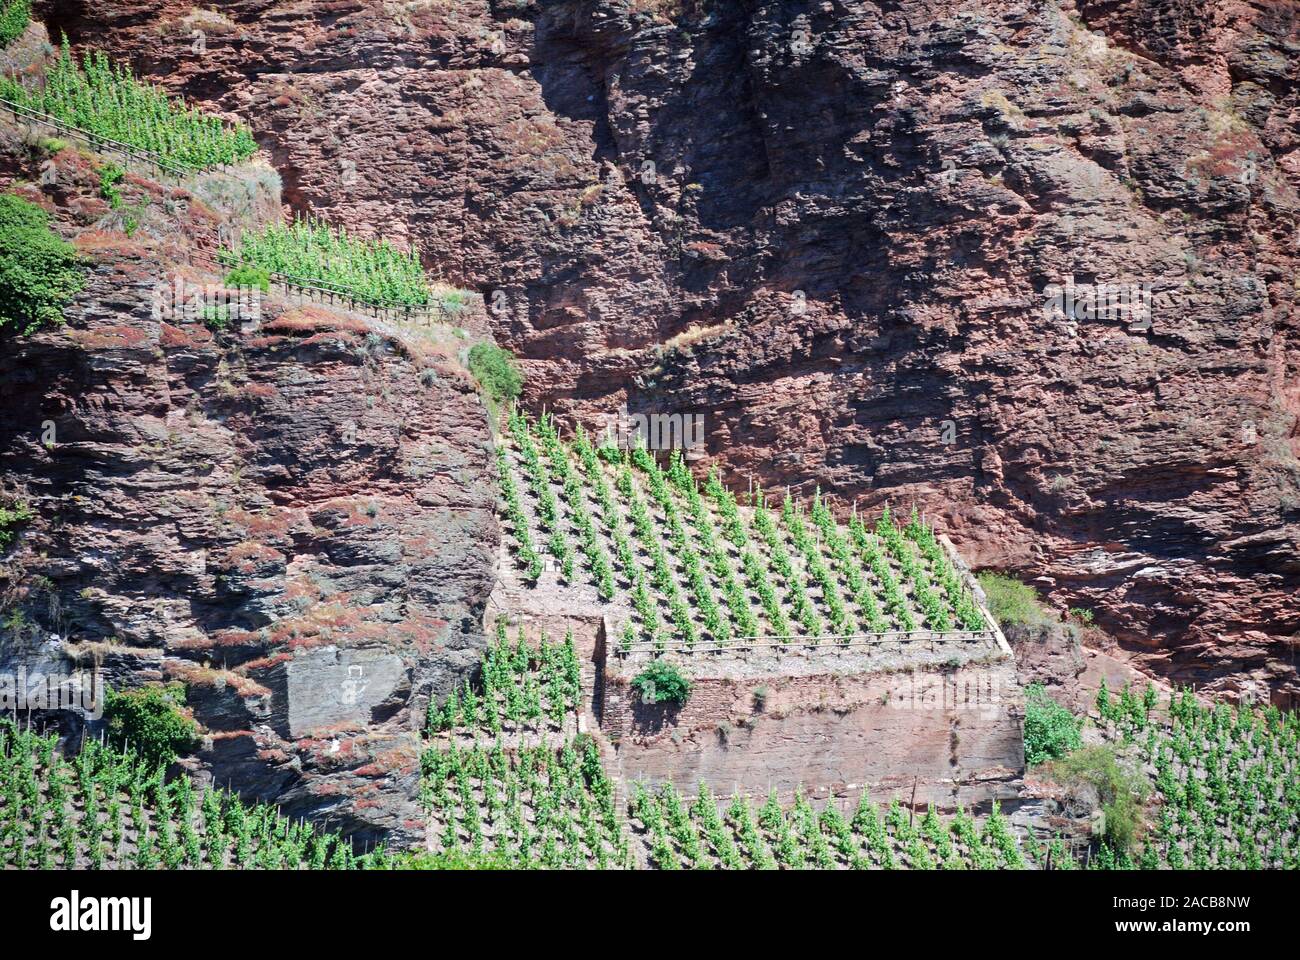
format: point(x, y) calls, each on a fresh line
point(951, 734)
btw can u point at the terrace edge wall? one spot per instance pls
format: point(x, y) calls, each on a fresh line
point(946, 735)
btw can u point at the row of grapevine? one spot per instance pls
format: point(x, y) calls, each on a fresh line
point(521, 688)
point(530, 806)
point(106, 100)
point(695, 565)
point(107, 808)
point(14, 17)
point(1227, 781)
point(373, 271)
point(542, 802)
point(699, 833)
point(549, 803)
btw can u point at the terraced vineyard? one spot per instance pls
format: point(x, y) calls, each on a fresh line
point(698, 568)
point(373, 271)
point(108, 809)
point(104, 99)
point(542, 805)
point(506, 773)
point(512, 783)
point(525, 692)
point(699, 833)
point(1227, 781)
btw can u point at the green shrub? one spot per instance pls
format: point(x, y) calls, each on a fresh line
point(494, 369)
point(14, 17)
point(150, 721)
point(40, 272)
point(249, 276)
point(1122, 791)
point(216, 318)
point(110, 175)
point(454, 301)
point(661, 682)
point(10, 519)
point(1051, 731)
point(1010, 601)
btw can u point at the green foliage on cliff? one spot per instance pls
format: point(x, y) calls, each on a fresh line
point(150, 722)
point(1010, 601)
point(40, 272)
point(249, 276)
point(1121, 790)
point(494, 369)
point(661, 682)
point(370, 271)
point(1051, 731)
point(14, 17)
point(11, 517)
point(104, 99)
point(110, 175)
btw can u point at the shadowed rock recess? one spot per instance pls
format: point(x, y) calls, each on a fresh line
point(829, 228)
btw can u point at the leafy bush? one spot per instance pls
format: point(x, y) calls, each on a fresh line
point(453, 300)
point(40, 272)
point(10, 518)
point(1121, 791)
point(1010, 601)
point(1051, 731)
point(150, 721)
point(494, 369)
point(110, 175)
point(249, 276)
point(661, 682)
point(107, 100)
point(216, 318)
point(14, 17)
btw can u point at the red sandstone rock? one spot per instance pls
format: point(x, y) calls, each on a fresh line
point(863, 205)
point(296, 521)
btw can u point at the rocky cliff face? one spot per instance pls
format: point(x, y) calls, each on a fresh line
point(296, 519)
point(834, 229)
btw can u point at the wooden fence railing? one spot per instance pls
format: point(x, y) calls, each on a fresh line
point(133, 155)
point(341, 297)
